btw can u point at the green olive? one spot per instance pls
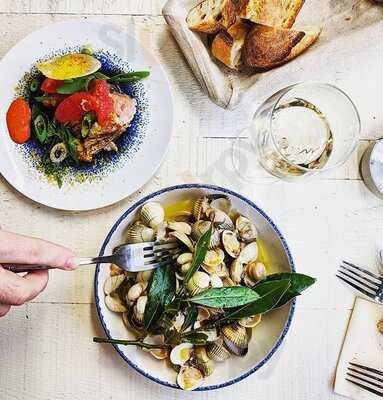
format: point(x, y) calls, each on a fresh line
point(58, 153)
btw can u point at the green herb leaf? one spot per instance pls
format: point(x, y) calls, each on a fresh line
point(170, 312)
point(87, 122)
point(199, 254)
point(122, 342)
point(40, 128)
point(161, 293)
point(194, 337)
point(130, 77)
point(71, 86)
point(225, 297)
point(190, 318)
point(269, 295)
point(299, 283)
point(71, 143)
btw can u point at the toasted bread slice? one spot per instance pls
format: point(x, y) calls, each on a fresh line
point(211, 16)
point(267, 47)
point(279, 13)
point(227, 45)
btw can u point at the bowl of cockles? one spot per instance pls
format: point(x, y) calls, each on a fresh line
point(219, 310)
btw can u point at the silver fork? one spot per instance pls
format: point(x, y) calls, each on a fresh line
point(362, 280)
point(366, 378)
point(129, 257)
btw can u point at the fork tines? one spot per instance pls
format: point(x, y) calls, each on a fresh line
point(161, 252)
point(361, 279)
point(366, 378)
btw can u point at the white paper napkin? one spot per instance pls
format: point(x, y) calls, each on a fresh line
point(363, 344)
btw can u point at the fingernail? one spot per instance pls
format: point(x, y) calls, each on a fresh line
point(71, 264)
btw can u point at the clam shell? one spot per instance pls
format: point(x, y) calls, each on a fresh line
point(222, 203)
point(189, 378)
point(184, 258)
point(256, 271)
point(161, 231)
point(198, 283)
point(139, 308)
point(215, 240)
point(152, 214)
point(115, 304)
point(200, 207)
point(182, 227)
point(135, 292)
point(179, 321)
point(181, 353)
point(144, 276)
point(115, 270)
point(236, 271)
point(207, 368)
point(249, 253)
point(159, 354)
point(228, 282)
point(131, 323)
point(200, 354)
point(231, 243)
point(216, 281)
point(217, 351)
point(246, 229)
point(214, 258)
point(112, 283)
point(183, 239)
point(250, 322)
point(185, 268)
point(236, 339)
point(203, 313)
point(138, 233)
point(220, 219)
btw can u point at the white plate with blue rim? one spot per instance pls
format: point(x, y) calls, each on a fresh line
point(142, 147)
point(267, 336)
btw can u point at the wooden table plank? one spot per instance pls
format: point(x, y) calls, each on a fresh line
point(117, 7)
point(50, 355)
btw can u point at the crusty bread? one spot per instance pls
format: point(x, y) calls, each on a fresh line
point(227, 45)
point(267, 47)
point(211, 16)
point(279, 13)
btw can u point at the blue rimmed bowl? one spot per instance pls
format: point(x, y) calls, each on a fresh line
point(266, 338)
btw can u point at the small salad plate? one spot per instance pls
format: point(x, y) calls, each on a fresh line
point(86, 115)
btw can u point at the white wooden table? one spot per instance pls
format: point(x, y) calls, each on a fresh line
point(46, 349)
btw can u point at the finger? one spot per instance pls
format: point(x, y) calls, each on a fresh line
point(17, 290)
point(19, 249)
point(4, 308)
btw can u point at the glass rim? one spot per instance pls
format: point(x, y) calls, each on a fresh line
point(288, 89)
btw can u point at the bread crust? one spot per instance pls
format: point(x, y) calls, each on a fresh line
point(270, 12)
point(267, 47)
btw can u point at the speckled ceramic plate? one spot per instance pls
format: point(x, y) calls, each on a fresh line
point(112, 176)
point(267, 337)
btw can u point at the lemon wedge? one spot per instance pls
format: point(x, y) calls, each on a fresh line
point(69, 66)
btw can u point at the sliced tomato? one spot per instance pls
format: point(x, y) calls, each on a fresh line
point(74, 107)
point(19, 117)
point(101, 91)
point(51, 85)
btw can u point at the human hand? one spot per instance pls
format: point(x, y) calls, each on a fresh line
point(16, 290)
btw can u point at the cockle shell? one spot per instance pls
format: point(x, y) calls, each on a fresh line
point(231, 243)
point(236, 339)
point(216, 281)
point(152, 214)
point(203, 314)
point(189, 378)
point(181, 353)
point(185, 268)
point(115, 270)
point(183, 239)
point(144, 276)
point(198, 283)
point(246, 229)
point(138, 233)
point(199, 228)
point(214, 258)
point(183, 227)
point(250, 322)
point(112, 283)
point(217, 351)
point(215, 240)
point(139, 308)
point(228, 282)
point(200, 207)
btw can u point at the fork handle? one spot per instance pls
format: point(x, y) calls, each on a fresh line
point(80, 261)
